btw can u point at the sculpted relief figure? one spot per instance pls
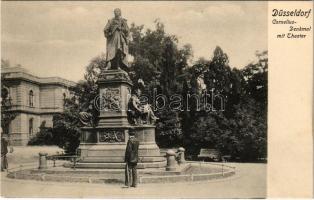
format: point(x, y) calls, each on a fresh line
point(117, 32)
point(138, 113)
point(110, 99)
point(86, 117)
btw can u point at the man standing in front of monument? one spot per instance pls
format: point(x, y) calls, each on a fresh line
point(131, 159)
point(117, 32)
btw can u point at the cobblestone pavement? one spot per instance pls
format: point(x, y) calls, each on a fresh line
point(249, 182)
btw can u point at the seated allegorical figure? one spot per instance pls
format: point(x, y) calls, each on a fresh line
point(139, 113)
point(86, 117)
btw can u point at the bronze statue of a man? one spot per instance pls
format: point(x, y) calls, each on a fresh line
point(117, 33)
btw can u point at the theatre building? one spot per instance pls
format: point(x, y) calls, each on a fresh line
point(34, 100)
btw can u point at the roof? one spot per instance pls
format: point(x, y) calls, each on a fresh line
point(19, 73)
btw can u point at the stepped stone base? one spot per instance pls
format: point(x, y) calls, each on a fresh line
point(94, 153)
point(104, 146)
point(185, 172)
point(117, 165)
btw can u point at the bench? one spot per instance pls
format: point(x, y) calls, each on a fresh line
point(226, 158)
point(209, 154)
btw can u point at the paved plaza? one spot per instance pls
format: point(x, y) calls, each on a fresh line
point(249, 182)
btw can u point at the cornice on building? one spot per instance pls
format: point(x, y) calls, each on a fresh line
point(35, 110)
point(18, 73)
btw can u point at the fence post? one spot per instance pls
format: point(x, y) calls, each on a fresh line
point(42, 160)
point(181, 156)
point(74, 162)
point(171, 161)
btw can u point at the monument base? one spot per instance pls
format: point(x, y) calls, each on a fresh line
point(101, 165)
point(104, 147)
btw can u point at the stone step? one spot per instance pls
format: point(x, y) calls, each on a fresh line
point(187, 172)
point(119, 159)
point(118, 165)
point(108, 172)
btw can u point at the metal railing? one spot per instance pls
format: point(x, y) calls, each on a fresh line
point(72, 158)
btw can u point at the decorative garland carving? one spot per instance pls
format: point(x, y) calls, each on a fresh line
point(111, 136)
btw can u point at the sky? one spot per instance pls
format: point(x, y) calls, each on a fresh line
point(60, 38)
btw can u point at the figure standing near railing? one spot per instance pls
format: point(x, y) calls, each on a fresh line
point(4, 152)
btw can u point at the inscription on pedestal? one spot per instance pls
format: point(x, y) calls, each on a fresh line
point(111, 136)
point(89, 137)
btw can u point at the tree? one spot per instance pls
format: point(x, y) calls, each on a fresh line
point(158, 61)
point(256, 88)
point(240, 129)
point(66, 126)
point(245, 135)
point(43, 137)
point(255, 75)
point(7, 115)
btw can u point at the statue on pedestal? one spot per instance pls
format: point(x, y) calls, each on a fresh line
point(117, 32)
point(103, 137)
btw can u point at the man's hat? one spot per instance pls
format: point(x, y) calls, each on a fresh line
point(131, 133)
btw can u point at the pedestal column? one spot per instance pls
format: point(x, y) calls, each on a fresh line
point(114, 94)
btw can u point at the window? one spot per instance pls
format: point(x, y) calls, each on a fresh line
point(5, 97)
point(4, 93)
point(64, 98)
point(31, 98)
point(30, 126)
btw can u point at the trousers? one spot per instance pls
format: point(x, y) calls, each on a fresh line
point(131, 174)
point(4, 162)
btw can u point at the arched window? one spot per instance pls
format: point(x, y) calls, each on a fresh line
point(5, 97)
point(4, 93)
point(30, 126)
point(64, 97)
point(31, 98)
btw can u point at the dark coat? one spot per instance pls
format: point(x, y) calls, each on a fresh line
point(4, 146)
point(131, 151)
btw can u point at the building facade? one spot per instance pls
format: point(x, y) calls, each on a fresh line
point(34, 100)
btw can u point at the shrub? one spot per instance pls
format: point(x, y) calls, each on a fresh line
point(43, 137)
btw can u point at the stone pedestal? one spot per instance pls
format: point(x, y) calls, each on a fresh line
point(181, 157)
point(42, 160)
point(171, 161)
point(104, 146)
point(114, 93)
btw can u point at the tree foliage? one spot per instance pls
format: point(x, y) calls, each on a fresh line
point(238, 129)
point(158, 61)
point(43, 137)
point(7, 116)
